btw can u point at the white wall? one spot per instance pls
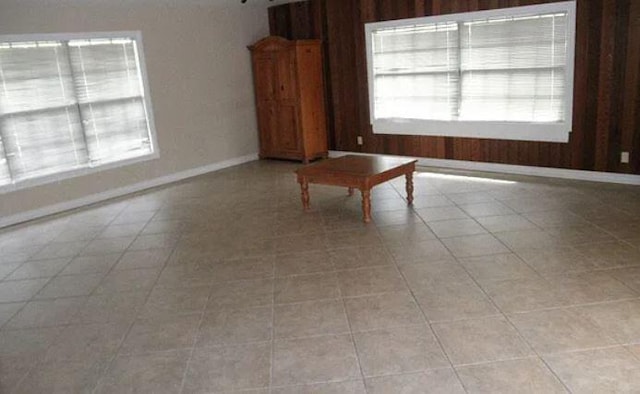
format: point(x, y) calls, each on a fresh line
point(199, 76)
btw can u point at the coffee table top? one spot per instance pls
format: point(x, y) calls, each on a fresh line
point(355, 165)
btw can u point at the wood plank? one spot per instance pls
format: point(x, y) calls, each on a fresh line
point(631, 95)
point(580, 84)
point(605, 91)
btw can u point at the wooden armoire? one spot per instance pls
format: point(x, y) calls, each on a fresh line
point(290, 98)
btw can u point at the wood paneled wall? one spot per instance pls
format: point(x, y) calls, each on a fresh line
point(606, 97)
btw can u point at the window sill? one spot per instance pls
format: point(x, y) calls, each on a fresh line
point(518, 131)
point(48, 179)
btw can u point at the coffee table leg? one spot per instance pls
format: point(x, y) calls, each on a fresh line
point(350, 191)
point(366, 205)
point(409, 185)
point(304, 187)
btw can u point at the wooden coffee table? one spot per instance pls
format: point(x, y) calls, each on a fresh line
point(357, 172)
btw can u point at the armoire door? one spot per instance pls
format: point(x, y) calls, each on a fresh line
point(287, 136)
point(266, 78)
point(286, 74)
point(267, 127)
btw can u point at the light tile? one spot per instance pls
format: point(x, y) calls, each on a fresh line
point(629, 276)
point(8, 268)
point(523, 376)
point(310, 319)
point(306, 288)
point(420, 275)
point(38, 269)
point(242, 293)
point(21, 290)
point(169, 301)
point(352, 387)
point(245, 268)
point(46, 313)
point(619, 320)
point(428, 382)
point(303, 263)
point(225, 368)
point(557, 261)
point(100, 264)
point(61, 378)
point(165, 333)
point(430, 250)
point(149, 258)
point(456, 228)
point(8, 310)
point(396, 217)
point(154, 241)
point(523, 294)
point(406, 234)
point(107, 308)
point(526, 240)
point(497, 224)
point(360, 257)
point(497, 267)
point(130, 280)
point(611, 370)
point(441, 213)
point(314, 360)
point(589, 287)
point(60, 250)
point(70, 286)
point(107, 246)
point(370, 281)
point(87, 343)
point(362, 236)
point(481, 340)
point(559, 330)
point(235, 326)
point(121, 230)
point(398, 350)
point(484, 209)
point(150, 373)
point(474, 245)
point(444, 300)
point(186, 275)
point(382, 311)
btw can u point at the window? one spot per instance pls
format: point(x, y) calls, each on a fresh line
point(72, 105)
point(505, 74)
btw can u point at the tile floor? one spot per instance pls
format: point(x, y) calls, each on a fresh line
point(221, 284)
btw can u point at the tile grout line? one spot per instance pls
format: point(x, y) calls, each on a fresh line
point(351, 334)
point(62, 327)
point(425, 319)
point(273, 324)
point(497, 308)
point(116, 353)
point(510, 322)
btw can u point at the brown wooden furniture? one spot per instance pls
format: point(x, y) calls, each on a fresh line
point(289, 88)
point(360, 172)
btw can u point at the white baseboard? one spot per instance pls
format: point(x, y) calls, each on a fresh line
point(121, 191)
point(593, 176)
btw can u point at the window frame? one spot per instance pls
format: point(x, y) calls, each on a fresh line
point(503, 130)
point(60, 176)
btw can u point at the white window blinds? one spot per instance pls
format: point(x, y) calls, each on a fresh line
point(495, 74)
point(513, 69)
point(40, 125)
point(416, 72)
point(70, 104)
